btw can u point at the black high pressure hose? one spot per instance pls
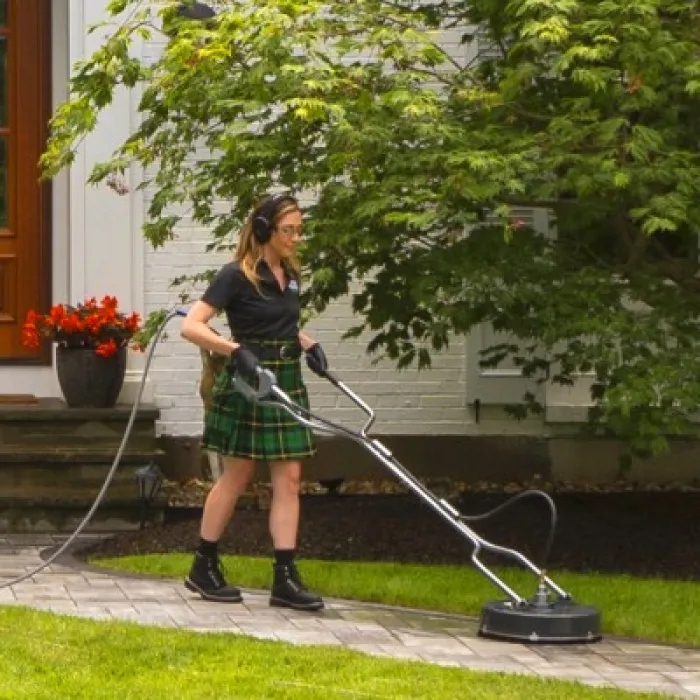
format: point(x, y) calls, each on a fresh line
point(512, 501)
point(467, 518)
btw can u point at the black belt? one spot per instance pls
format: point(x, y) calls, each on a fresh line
point(277, 351)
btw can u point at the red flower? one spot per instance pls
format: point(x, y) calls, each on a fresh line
point(71, 324)
point(90, 324)
point(30, 338)
point(133, 322)
point(56, 314)
point(107, 349)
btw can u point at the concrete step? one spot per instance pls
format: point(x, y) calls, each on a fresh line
point(67, 474)
point(52, 423)
point(43, 516)
point(54, 461)
point(49, 409)
point(75, 455)
point(52, 437)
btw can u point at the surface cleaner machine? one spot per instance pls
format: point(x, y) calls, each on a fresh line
point(549, 616)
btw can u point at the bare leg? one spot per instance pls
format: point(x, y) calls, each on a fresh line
point(206, 576)
point(221, 501)
point(284, 510)
point(287, 589)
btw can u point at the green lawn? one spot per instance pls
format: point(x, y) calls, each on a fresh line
point(46, 656)
point(650, 609)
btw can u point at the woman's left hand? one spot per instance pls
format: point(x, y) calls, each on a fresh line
point(316, 360)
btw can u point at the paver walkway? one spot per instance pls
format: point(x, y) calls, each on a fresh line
point(71, 588)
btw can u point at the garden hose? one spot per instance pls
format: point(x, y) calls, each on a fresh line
point(113, 469)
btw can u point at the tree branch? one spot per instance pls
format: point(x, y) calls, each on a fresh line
point(672, 270)
point(679, 270)
point(529, 115)
point(635, 243)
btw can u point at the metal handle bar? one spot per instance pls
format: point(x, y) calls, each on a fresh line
point(355, 399)
point(266, 382)
point(269, 393)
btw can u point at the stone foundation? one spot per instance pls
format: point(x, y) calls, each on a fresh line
point(54, 460)
point(496, 458)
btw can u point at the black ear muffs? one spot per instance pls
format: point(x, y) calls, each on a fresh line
point(263, 221)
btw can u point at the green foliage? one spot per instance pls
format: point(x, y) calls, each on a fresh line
point(587, 108)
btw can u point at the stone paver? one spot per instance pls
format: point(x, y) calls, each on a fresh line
point(70, 588)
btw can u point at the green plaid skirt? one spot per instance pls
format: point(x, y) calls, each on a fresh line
point(238, 427)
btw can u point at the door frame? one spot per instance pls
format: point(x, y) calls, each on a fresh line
point(33, 141)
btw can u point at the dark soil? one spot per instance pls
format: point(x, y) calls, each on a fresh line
point(639, 533)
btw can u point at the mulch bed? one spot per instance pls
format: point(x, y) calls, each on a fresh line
point(653, 533)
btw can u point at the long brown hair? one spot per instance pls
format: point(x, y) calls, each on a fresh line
point(249, 252)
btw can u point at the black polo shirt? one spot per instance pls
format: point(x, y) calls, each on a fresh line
point(270, 313)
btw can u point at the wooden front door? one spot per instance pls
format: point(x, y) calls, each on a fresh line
point(25, 273)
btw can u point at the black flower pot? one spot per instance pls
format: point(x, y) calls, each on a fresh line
point(89, 380)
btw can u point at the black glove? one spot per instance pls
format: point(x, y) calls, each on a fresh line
point(244, 361)
point(316, 360)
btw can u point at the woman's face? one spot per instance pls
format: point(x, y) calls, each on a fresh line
point(287, 234)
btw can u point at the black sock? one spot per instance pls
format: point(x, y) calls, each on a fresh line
point(284, 557)
point(207, 548)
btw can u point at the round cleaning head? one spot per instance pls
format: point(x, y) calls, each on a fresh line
point(558, 622)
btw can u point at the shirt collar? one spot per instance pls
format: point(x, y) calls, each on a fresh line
point(265, 272)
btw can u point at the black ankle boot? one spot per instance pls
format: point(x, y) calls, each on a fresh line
point(288, 591)
point(206, 577)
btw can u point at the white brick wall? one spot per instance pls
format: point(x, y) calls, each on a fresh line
point(406, 402)
point(175, 372)
point(427, 402)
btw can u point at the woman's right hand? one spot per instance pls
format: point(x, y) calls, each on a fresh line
point(244, 361)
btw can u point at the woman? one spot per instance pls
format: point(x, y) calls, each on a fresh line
point(259, 292)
